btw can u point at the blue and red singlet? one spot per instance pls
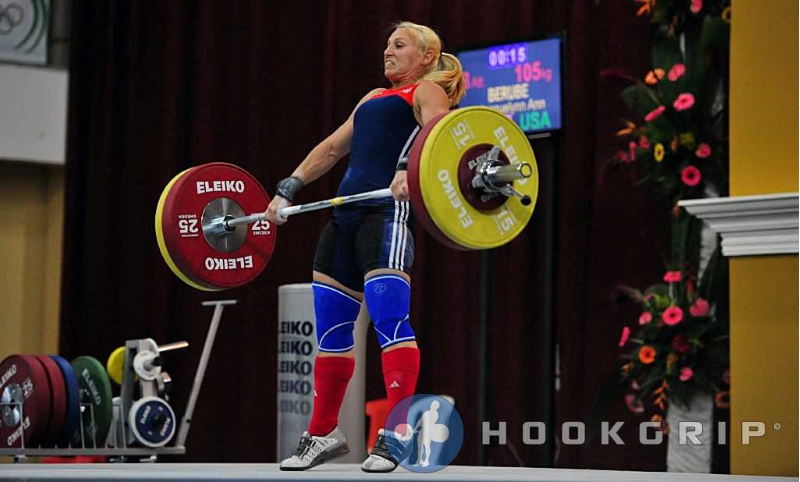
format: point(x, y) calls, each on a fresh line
point(384, 129)
point(376, 233)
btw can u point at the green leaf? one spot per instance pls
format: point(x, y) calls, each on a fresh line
point(711, 275)
point(698, 330)
point(666, 53)
point(685, 239)
point(660, 296)
point(714, 284)
point(655, 376)
point(695, 60)
point(716, 33)
point(640, 99)
point(679, 393)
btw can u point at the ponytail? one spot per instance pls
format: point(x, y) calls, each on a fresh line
point(449, 76)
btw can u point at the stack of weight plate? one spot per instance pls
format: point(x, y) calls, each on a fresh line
point(41, 398)
point(151, 420)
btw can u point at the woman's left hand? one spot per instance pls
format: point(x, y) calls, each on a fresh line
point(399, 186)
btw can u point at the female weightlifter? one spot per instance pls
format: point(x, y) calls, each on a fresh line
point(366, 251)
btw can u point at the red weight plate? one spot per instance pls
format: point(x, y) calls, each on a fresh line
point(58, 399)
point(23, 379)
point(176, 267)
point(414, 191)
point(183, 231)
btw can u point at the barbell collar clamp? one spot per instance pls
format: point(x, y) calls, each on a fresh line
point(509, 191)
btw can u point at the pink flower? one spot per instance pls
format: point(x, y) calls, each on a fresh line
point(626, 332)
point(672, 315)
point(632, 150)
point(644, 143)
point(697, 5)
point(635, 385)
point(672, 276)
point(691, 176)
point(686, 374)
point(699, 308)
point(621, 156)
point(703, 151)
point(676, 72)
point(634, 405)
point(684, 101)
point(645, 318)
point(655, 113)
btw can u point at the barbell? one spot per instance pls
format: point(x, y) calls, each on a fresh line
point(472, 179)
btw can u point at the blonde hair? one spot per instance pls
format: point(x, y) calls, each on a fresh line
point(445, 70)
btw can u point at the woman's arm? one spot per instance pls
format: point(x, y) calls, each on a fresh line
point(320, 160)
point(327, 153)
point(430, 100)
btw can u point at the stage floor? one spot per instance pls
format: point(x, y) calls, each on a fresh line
point(236, 472)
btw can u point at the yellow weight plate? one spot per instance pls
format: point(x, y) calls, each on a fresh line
point(115, 365)
point(162, 245)
point(444, 200)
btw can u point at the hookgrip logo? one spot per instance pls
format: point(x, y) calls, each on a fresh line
point(424, 432)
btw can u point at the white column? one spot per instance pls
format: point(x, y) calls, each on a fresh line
point(297, 350)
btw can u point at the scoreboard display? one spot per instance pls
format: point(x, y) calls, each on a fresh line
point(521, 80)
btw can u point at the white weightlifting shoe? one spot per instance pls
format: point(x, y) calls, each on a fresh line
point(383, 457)
point(314, 450)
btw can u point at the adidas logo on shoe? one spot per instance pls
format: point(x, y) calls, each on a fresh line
point(394, 384)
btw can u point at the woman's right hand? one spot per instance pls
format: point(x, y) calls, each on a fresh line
point(399, 186)
point(273, 210)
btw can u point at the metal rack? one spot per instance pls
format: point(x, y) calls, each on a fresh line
point(117, 453)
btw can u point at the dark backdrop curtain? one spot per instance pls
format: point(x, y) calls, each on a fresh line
point(157, 88)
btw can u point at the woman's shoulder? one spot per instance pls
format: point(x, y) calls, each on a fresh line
point(427, 87)
point(428, 91)
point(372, 93)
point(376, 91)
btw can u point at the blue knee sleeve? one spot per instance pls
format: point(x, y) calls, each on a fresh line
point(336, 314)
point(388, 298)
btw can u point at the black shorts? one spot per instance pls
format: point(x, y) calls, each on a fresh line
point(360, 239)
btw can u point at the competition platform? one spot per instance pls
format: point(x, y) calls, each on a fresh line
point(237, 472)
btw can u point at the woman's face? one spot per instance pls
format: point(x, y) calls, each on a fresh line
point(402, 59)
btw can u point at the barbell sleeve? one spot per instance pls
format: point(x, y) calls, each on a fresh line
point(173, 346)
point(253, 218)
point(508, 173)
